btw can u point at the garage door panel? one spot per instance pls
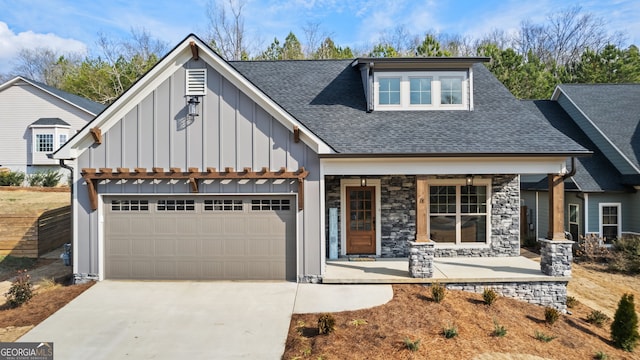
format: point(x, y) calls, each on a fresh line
point(218, 238)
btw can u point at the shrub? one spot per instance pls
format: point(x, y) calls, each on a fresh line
point(499, 330)
point(358, 322)
point(326, 324)
point(51, 178)
point(571, 302)
point(601, 356)
point(626, 255)
point(551, 315)
point(438, 292)
point(624, 329)
point(21, 290)
point(589, 248)
point(12, 178)
point(412, 345)
point(489, 296)
point(35, 179)
point(597, 318)
point(543, 337)
point(450, 331)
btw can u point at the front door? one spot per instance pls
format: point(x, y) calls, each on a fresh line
point(361, 220)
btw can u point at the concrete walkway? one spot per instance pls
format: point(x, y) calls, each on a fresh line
point(191, 320)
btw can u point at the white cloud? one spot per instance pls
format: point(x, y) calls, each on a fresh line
point(11, 44)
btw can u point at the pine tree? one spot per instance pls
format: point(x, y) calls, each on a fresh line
point(624, 329)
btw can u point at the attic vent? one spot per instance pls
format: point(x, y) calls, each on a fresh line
point(196, 81)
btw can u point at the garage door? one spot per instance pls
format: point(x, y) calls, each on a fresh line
point(200, 237)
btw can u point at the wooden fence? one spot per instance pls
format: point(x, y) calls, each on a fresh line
point(32, 236)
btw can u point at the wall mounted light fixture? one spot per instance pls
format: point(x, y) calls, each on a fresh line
point(469, 180)
point(192, 108)
point(363, 181)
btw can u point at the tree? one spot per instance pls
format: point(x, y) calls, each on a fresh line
point(291, 49)
point(431, 47)
point(383, 51)
point(611, 65)
point(329, 50)
point(273, 52)
point(43, 64)
point(226, 29)
point(399, 39)
point(624, 329)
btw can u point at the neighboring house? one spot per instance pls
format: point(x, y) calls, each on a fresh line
point(207, 169)
point(36, 120)
point(602, 197)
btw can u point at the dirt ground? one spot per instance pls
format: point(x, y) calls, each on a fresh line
point(31, 201)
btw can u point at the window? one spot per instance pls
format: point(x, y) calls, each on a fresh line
point(451, 91)
point(610, 227)
point(223, 205)
point(176, 205)
point(389, 93)
point(574, 221)
point(129, 205)
point(458, 213)
point(44, 143)
point(270, 204)
point(420, 89)
point(63, 139)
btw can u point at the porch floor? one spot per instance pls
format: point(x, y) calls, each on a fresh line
point(446, 270)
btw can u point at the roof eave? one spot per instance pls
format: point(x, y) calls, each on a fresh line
point(455, 155)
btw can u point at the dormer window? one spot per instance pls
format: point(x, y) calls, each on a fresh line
point(421, 90)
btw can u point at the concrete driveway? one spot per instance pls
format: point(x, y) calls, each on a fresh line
point(172, 320)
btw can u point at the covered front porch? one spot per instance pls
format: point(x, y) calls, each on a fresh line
point(445, 270)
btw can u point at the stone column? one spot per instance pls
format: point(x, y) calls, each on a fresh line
point(421, 256)
point(556, 257)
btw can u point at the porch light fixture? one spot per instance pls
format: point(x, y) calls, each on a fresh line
point(363, 181)
point(469, 180)
point(192, 106)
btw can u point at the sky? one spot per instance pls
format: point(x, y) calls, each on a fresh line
point(74, 25)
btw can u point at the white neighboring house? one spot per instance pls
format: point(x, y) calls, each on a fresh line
point(35, 120)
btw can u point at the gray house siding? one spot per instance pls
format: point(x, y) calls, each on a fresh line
point(231, 131)
point(629, 203)
point(598, 139)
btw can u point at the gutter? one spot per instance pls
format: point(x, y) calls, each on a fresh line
point(572, 171)
point(455, 155)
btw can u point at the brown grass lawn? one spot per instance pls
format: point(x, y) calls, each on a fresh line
point(32, 201)
point(378, 333)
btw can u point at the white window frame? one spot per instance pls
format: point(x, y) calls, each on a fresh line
point(56, 131)
point(619, 224)
point(37, 142)
point(405, 90)
point(459, 183)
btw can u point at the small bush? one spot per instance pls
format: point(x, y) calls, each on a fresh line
point(358, 322)
point(489, 296)
point(624, 329)
point(543, 337)
point(499, 330)
point(35, 179)
point(450, 331)
point(12, 178)
point(412, 345)
point(601, 356)
point(589, 248)
point(597, 318)
point(551, 315)
point(571, 302)
point(626, 255)
point(438, 292)
point(326, 324)
point(21, 290)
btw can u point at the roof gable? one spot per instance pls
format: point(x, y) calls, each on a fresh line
point(608, 113)
point(79, 102)
point(174, 60)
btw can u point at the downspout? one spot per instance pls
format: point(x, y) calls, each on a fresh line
point(573, 169)
point(72, 212)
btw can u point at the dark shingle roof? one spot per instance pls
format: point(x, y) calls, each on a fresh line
point(90, 106)
point(614, 109)
point(594, 173)
point(50, 122)
point(327, 96)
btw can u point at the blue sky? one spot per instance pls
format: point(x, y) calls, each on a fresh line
point(73, 25)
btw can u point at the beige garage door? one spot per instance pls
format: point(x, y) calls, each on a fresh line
point(200, 237)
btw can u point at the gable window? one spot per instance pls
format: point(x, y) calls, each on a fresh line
point(422, 90)
point(458, 213)
point(44, 143)
point(389, 91)
point(610, 221)
point(451, 91)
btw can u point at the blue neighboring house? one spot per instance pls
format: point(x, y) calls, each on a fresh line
point(602, 197)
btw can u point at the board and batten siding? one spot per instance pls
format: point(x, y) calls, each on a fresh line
point(596, 136)
point(22, 104)
point(231, 131)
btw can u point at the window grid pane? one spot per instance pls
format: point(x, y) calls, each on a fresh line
point(129, 205)
point(176, 205)
point(466, 223)
point(451, 91)
point(389, 92)
point(44, 142)
point(420, 91)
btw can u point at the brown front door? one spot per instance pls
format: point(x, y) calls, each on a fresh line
point(361, 220)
